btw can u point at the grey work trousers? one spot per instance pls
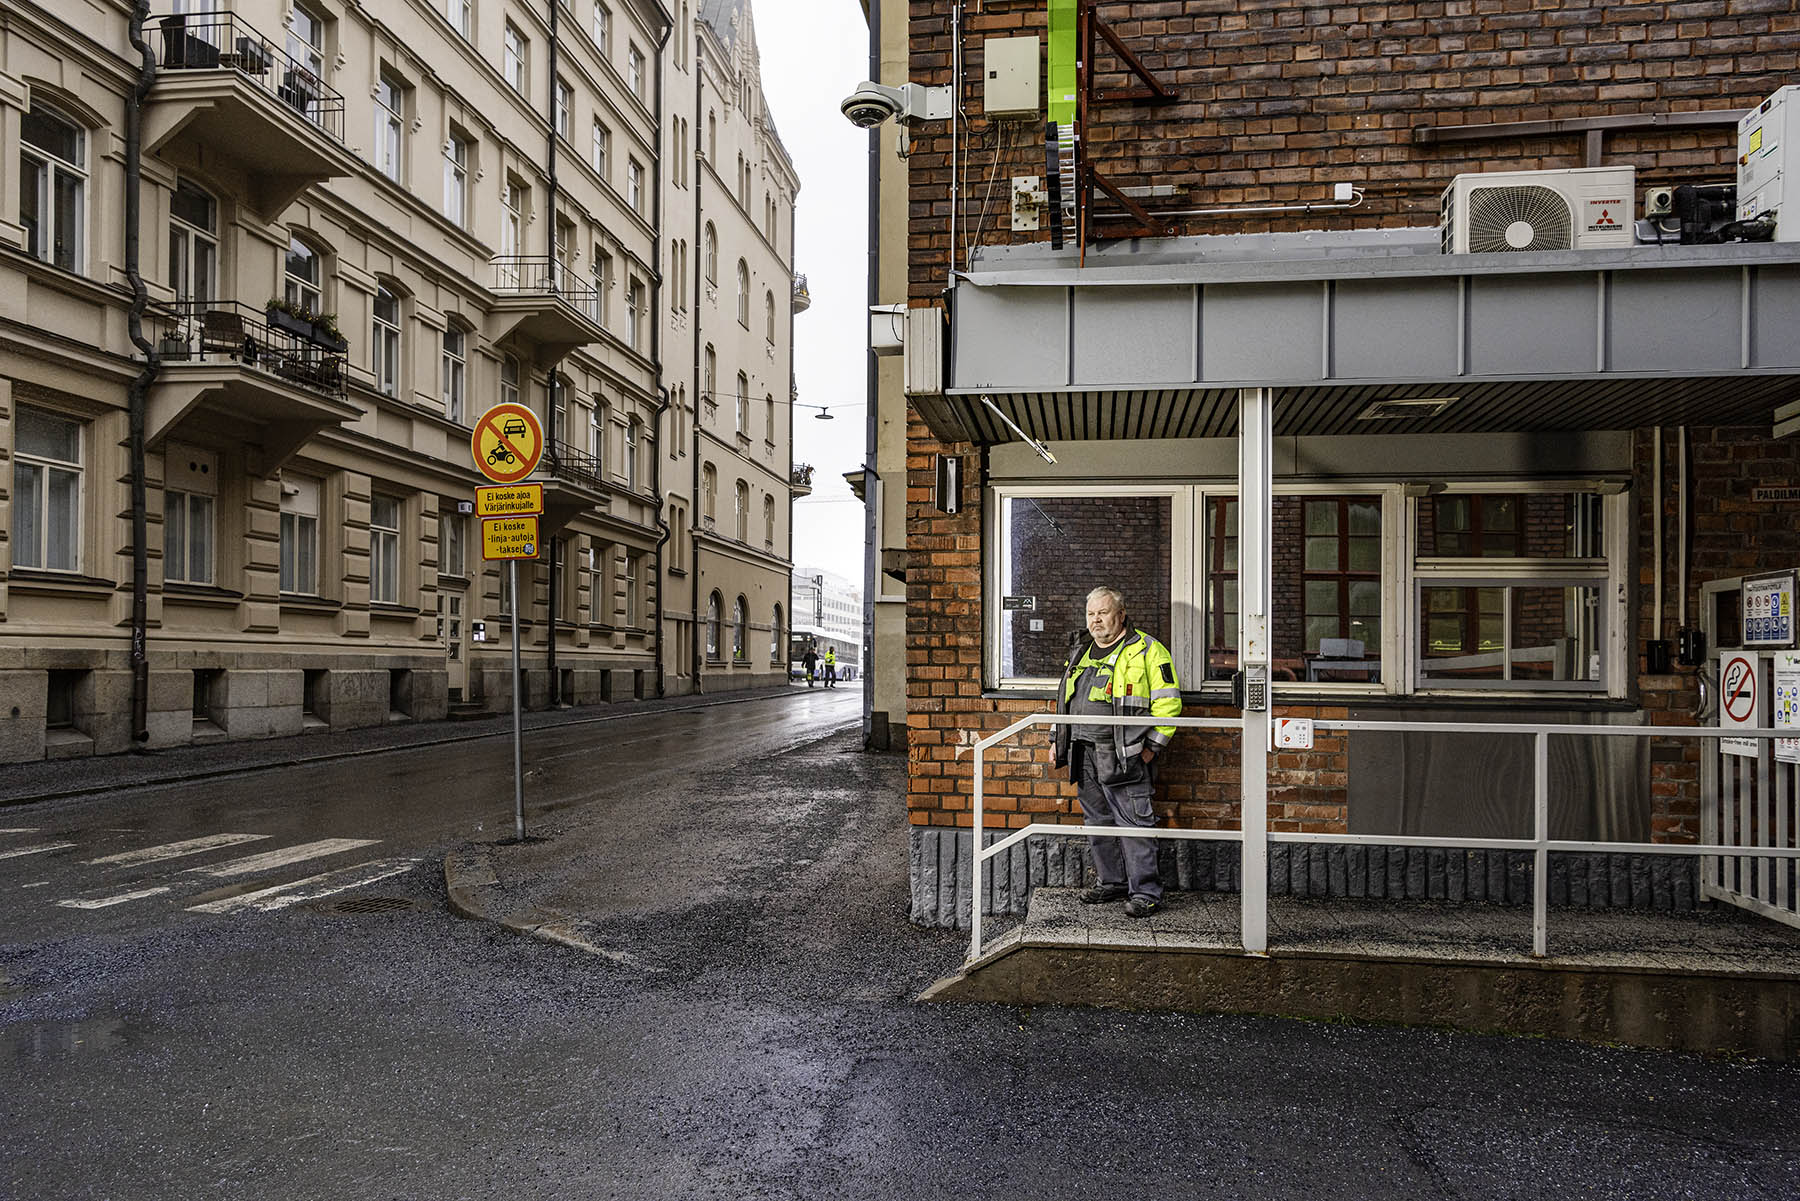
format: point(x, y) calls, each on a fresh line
point(1129, 861)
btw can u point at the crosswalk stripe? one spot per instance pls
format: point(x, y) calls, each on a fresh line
point(36, 850)
point(273, 859)
point(174, 850)
point(18, 829)
point(103, 902)
point(280, 896)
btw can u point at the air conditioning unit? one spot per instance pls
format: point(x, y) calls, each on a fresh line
point(1769, 152)
point(1584, 208)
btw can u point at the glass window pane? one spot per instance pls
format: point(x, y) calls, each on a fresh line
point(1321, 516)
point(1322, 554)
point(1321, 596)
point(175, 536)
point(47, 437)
point(63, 550)
point(1365, 597)
point(28, 515)
point(200, 530)
point(1555, 634)
point(1365, 554)
point(52, 134)
point(1365, 518)
point(1318, 628)
point(1123, 541)
point(1444, 636)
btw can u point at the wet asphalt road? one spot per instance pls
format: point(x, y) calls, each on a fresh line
point(747, 1030)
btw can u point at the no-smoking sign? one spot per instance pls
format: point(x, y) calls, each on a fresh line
point(1740, 700)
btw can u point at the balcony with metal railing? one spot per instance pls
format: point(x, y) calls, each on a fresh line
point(800, 479)
point(574, 483)
point(225, 88)
point(544, 302)
point(220, 360)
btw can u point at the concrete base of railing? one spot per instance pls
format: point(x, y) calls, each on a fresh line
point(940, 874)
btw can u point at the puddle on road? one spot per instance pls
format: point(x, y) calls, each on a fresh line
point(49, 1042)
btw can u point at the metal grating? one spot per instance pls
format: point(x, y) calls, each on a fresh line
point(358, 906)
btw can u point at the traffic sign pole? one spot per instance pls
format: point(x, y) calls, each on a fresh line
point(518, 729)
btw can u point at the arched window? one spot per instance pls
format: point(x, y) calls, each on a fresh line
point(53, 187)
point(634, 430)
point(709, 492)
point(741, 404)
point(740, 622)
point(769, 520)
point(384, 342)
point(743, 511)
point(303, 277)
point(743, 294)
point(775, 637)
point(712, 137)
point(769, 317)
point(711, 248)
point(714, 605)
point(769, 420)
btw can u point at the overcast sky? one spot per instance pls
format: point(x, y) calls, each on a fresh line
point(814, 53)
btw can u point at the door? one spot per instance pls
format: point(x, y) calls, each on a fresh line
point(453, 629)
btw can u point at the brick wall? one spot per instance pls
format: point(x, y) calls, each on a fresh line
point(1280, 100)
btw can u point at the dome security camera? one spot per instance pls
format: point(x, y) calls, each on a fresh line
point(871, 104)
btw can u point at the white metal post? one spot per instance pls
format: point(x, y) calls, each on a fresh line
point(1256, 491)
point(1540, 874)
point(975, 863)
point(518, 729)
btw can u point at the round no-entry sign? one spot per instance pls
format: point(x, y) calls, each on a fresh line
point(507, 442)
point(1737, 690)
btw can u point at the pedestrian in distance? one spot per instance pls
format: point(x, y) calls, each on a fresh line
point(1114, 670)
point(830, 667)
point(810, 661)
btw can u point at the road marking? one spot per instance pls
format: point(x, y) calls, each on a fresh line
point(18, 829)
point(103, 902)
point(36, 850)
point(175, 850)
point(273, 859)
point(267, 900)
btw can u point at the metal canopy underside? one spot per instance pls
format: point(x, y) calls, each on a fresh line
point(1521, 342)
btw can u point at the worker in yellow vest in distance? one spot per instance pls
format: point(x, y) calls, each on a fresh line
point(1117, 671)
point(830, 667)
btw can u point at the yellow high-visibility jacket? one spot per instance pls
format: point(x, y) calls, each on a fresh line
point(1141, 680)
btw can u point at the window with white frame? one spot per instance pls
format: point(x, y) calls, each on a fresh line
point(46, 501)
point(633, 603)
point(453, 543)
point(455, 371)
point(53, 187)
point(597, 419)
point(769, 317)
point(306, 42)
point(769, 522)
point(740, 405)
point(769, 421)
point(303, 277)
point(299, 535)
point(190, 491)
point(634, 71)
point(634, 314)
point(600, 150)
point(740, 627)
point(603, 285)
point(390, 126)
point(514, 49)
point(512, 216)
point(565, 110)
point(709, 254)
point(559, 413)
point(712, 136)
point(384, 550)
point(603, 28)
point(461, 15)
point(598, 560)
point(634, 185)
point(743, 293)
point(1472, 587)
point(193, 242)
point(709, 380)
point(633, 434)
point(715, 605)
point(509, 380)
point(709, 491)
point(741, 508)
point(456, 180)
point(384, 343)
point(775, 649)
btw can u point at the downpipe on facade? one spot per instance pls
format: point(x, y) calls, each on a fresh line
point(139, 389)
point(872, 488)
point(662, 392)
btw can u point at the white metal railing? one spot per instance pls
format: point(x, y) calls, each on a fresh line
point(1540, 844)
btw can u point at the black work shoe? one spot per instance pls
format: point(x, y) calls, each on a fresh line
point(1100, 894)
point(1141, 907)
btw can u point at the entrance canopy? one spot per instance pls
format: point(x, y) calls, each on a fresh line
point(1154, 340)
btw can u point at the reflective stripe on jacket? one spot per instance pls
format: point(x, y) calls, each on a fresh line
point(1143, 683)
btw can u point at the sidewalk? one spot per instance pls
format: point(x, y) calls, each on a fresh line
point(43, 780)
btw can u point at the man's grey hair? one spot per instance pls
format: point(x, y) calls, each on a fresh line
point(1112, 594)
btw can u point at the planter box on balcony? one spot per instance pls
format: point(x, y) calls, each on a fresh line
point(331, 342)
point(300, 327)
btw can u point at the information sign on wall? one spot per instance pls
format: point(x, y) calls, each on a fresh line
point(1741, 700)
point(1787, 705)
point(1769, 610)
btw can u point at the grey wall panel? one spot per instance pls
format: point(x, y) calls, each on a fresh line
point(1010, 339)
point(1386, 328)
point(1775, 327)
point(1156, 324)
point(1551, 318)
point(1680, 321)
point(1265, 332)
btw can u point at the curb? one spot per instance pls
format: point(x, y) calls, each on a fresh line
point(468, 873)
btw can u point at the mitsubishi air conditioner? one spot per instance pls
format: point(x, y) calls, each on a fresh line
point(1585, 208)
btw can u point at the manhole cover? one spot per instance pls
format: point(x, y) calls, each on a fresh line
point(360, 905)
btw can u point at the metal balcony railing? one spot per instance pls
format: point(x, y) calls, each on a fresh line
point(218, 331)
point(576, 466)
point(541, 275)
point(223, 42)
point(800, 475)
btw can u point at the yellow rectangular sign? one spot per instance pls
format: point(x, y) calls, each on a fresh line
point(509, 538)
point(509, 500)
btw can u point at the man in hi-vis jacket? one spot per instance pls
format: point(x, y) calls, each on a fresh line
point(1117, 672)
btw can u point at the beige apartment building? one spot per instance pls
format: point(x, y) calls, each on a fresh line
point(728, 471)
point(356, 228)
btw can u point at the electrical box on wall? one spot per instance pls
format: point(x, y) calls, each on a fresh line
point(1012, 86)
point(1768, 146)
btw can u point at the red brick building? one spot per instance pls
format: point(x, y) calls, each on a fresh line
point(1468, 504)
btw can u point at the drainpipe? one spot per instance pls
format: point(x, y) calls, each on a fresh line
point(656, 460)
point(139, 389)
point(556, 283)
point(697, 652)
point(872, 489)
